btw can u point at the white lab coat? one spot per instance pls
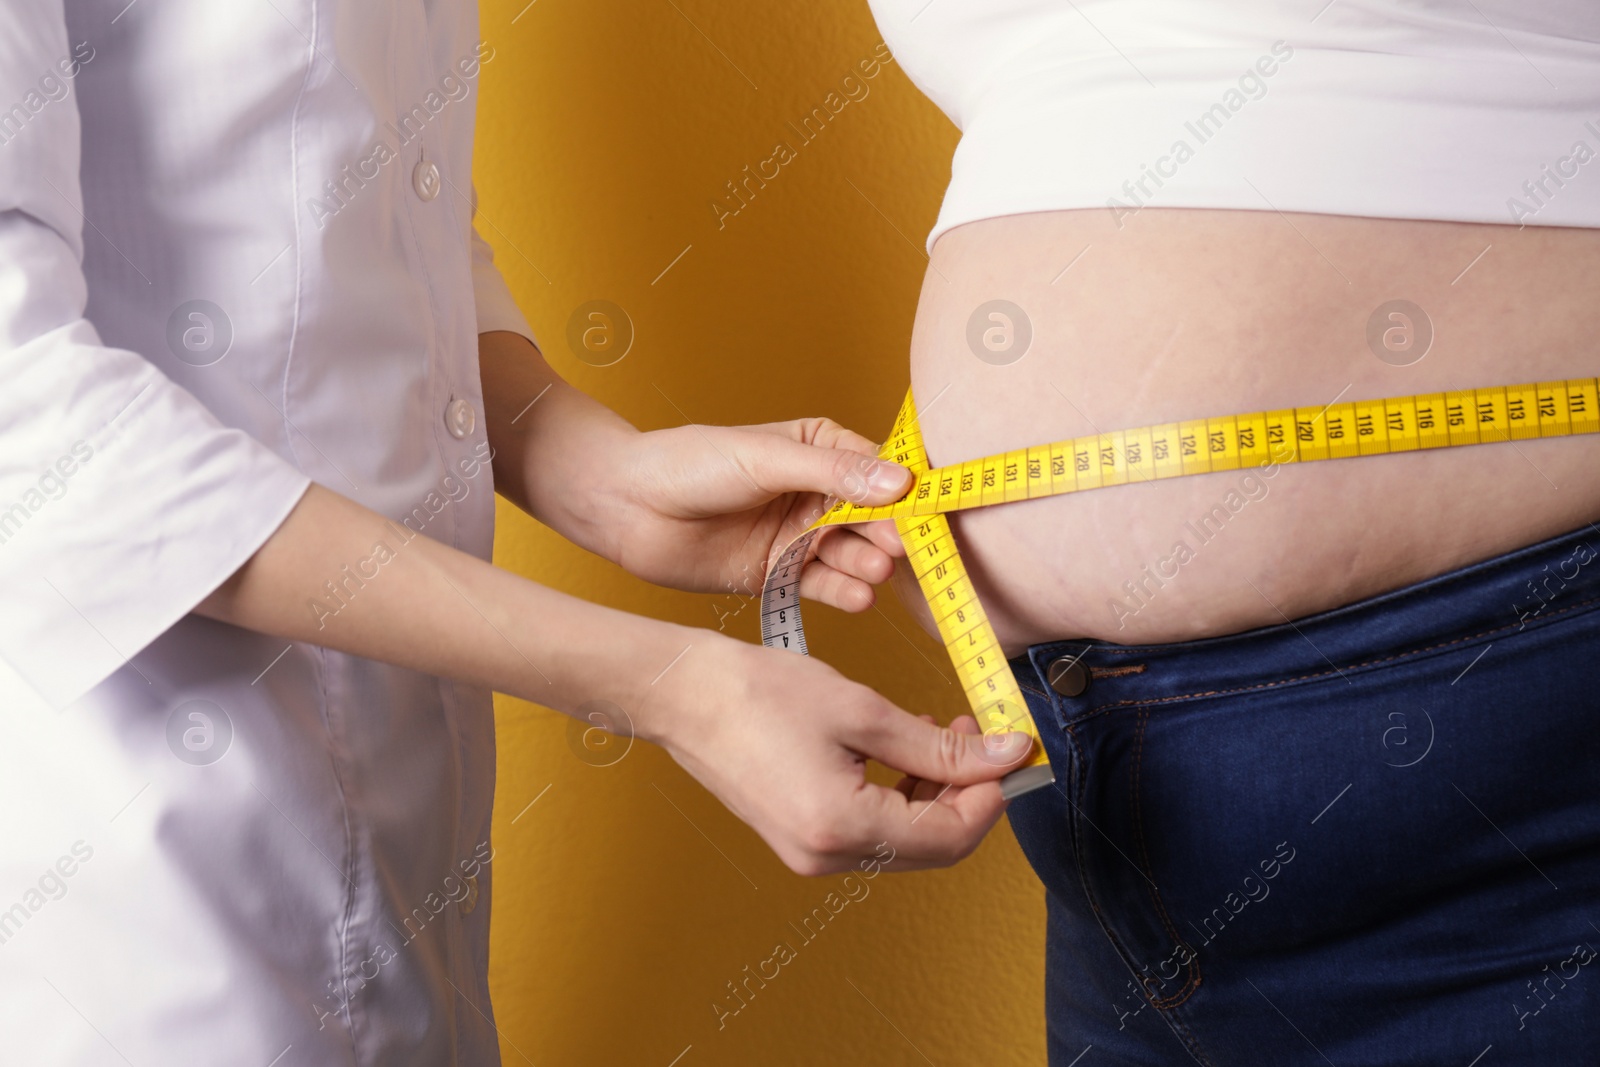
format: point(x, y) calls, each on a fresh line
point(236, 256)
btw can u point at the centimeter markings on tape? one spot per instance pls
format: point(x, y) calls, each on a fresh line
point(986, 677)
point(1149, 453)
point(963, 626)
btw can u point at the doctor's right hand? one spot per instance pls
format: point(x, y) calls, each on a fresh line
point(783, 740)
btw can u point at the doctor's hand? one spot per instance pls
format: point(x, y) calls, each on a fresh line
point(783, 741)
point(705, 507)
point(701, 508)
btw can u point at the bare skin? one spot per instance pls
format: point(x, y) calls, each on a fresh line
point(1183, 314)
point(781, 739)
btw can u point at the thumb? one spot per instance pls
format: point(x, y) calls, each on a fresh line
point(938, 754)
point(793, 466)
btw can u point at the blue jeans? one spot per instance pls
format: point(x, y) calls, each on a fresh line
point(1370, 837)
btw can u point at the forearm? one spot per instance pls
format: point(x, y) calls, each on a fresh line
point(437, 610)
point(700, 508)
point(782, 739)
point(558, 453)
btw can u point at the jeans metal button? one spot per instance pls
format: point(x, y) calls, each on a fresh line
point(1068, 676)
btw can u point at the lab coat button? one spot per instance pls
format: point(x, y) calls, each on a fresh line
point(425, 179)
point(459, 418)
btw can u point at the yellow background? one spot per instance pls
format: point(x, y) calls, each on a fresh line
point(626, 897)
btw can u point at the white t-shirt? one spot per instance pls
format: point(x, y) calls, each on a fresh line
point(1484, 111)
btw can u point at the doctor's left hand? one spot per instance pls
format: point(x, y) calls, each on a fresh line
point(707, 506)
point(701, 508)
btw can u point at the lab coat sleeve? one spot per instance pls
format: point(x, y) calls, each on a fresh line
point(497, 309)
point(123, 501)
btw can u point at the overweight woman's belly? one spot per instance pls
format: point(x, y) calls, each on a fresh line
point(1184, 314)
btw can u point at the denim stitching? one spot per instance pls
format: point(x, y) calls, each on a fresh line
point(1193, 966)
point(1180, 1027)
point(1176, 1023)
point(1259, 686)
point(1083, 873)
point(1116, 672)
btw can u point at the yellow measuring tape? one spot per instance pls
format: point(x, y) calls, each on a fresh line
point(1169, 450)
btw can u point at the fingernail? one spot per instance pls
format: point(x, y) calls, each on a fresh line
point(887, 477)
point(1011, 744)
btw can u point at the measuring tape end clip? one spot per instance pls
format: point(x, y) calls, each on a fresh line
point(1026, 780)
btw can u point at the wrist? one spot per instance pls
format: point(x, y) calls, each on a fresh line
point(559, 454)
point(655, 672)
point(686, 681)
point(610, 492)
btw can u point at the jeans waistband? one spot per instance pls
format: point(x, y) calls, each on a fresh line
point(1451, 613)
